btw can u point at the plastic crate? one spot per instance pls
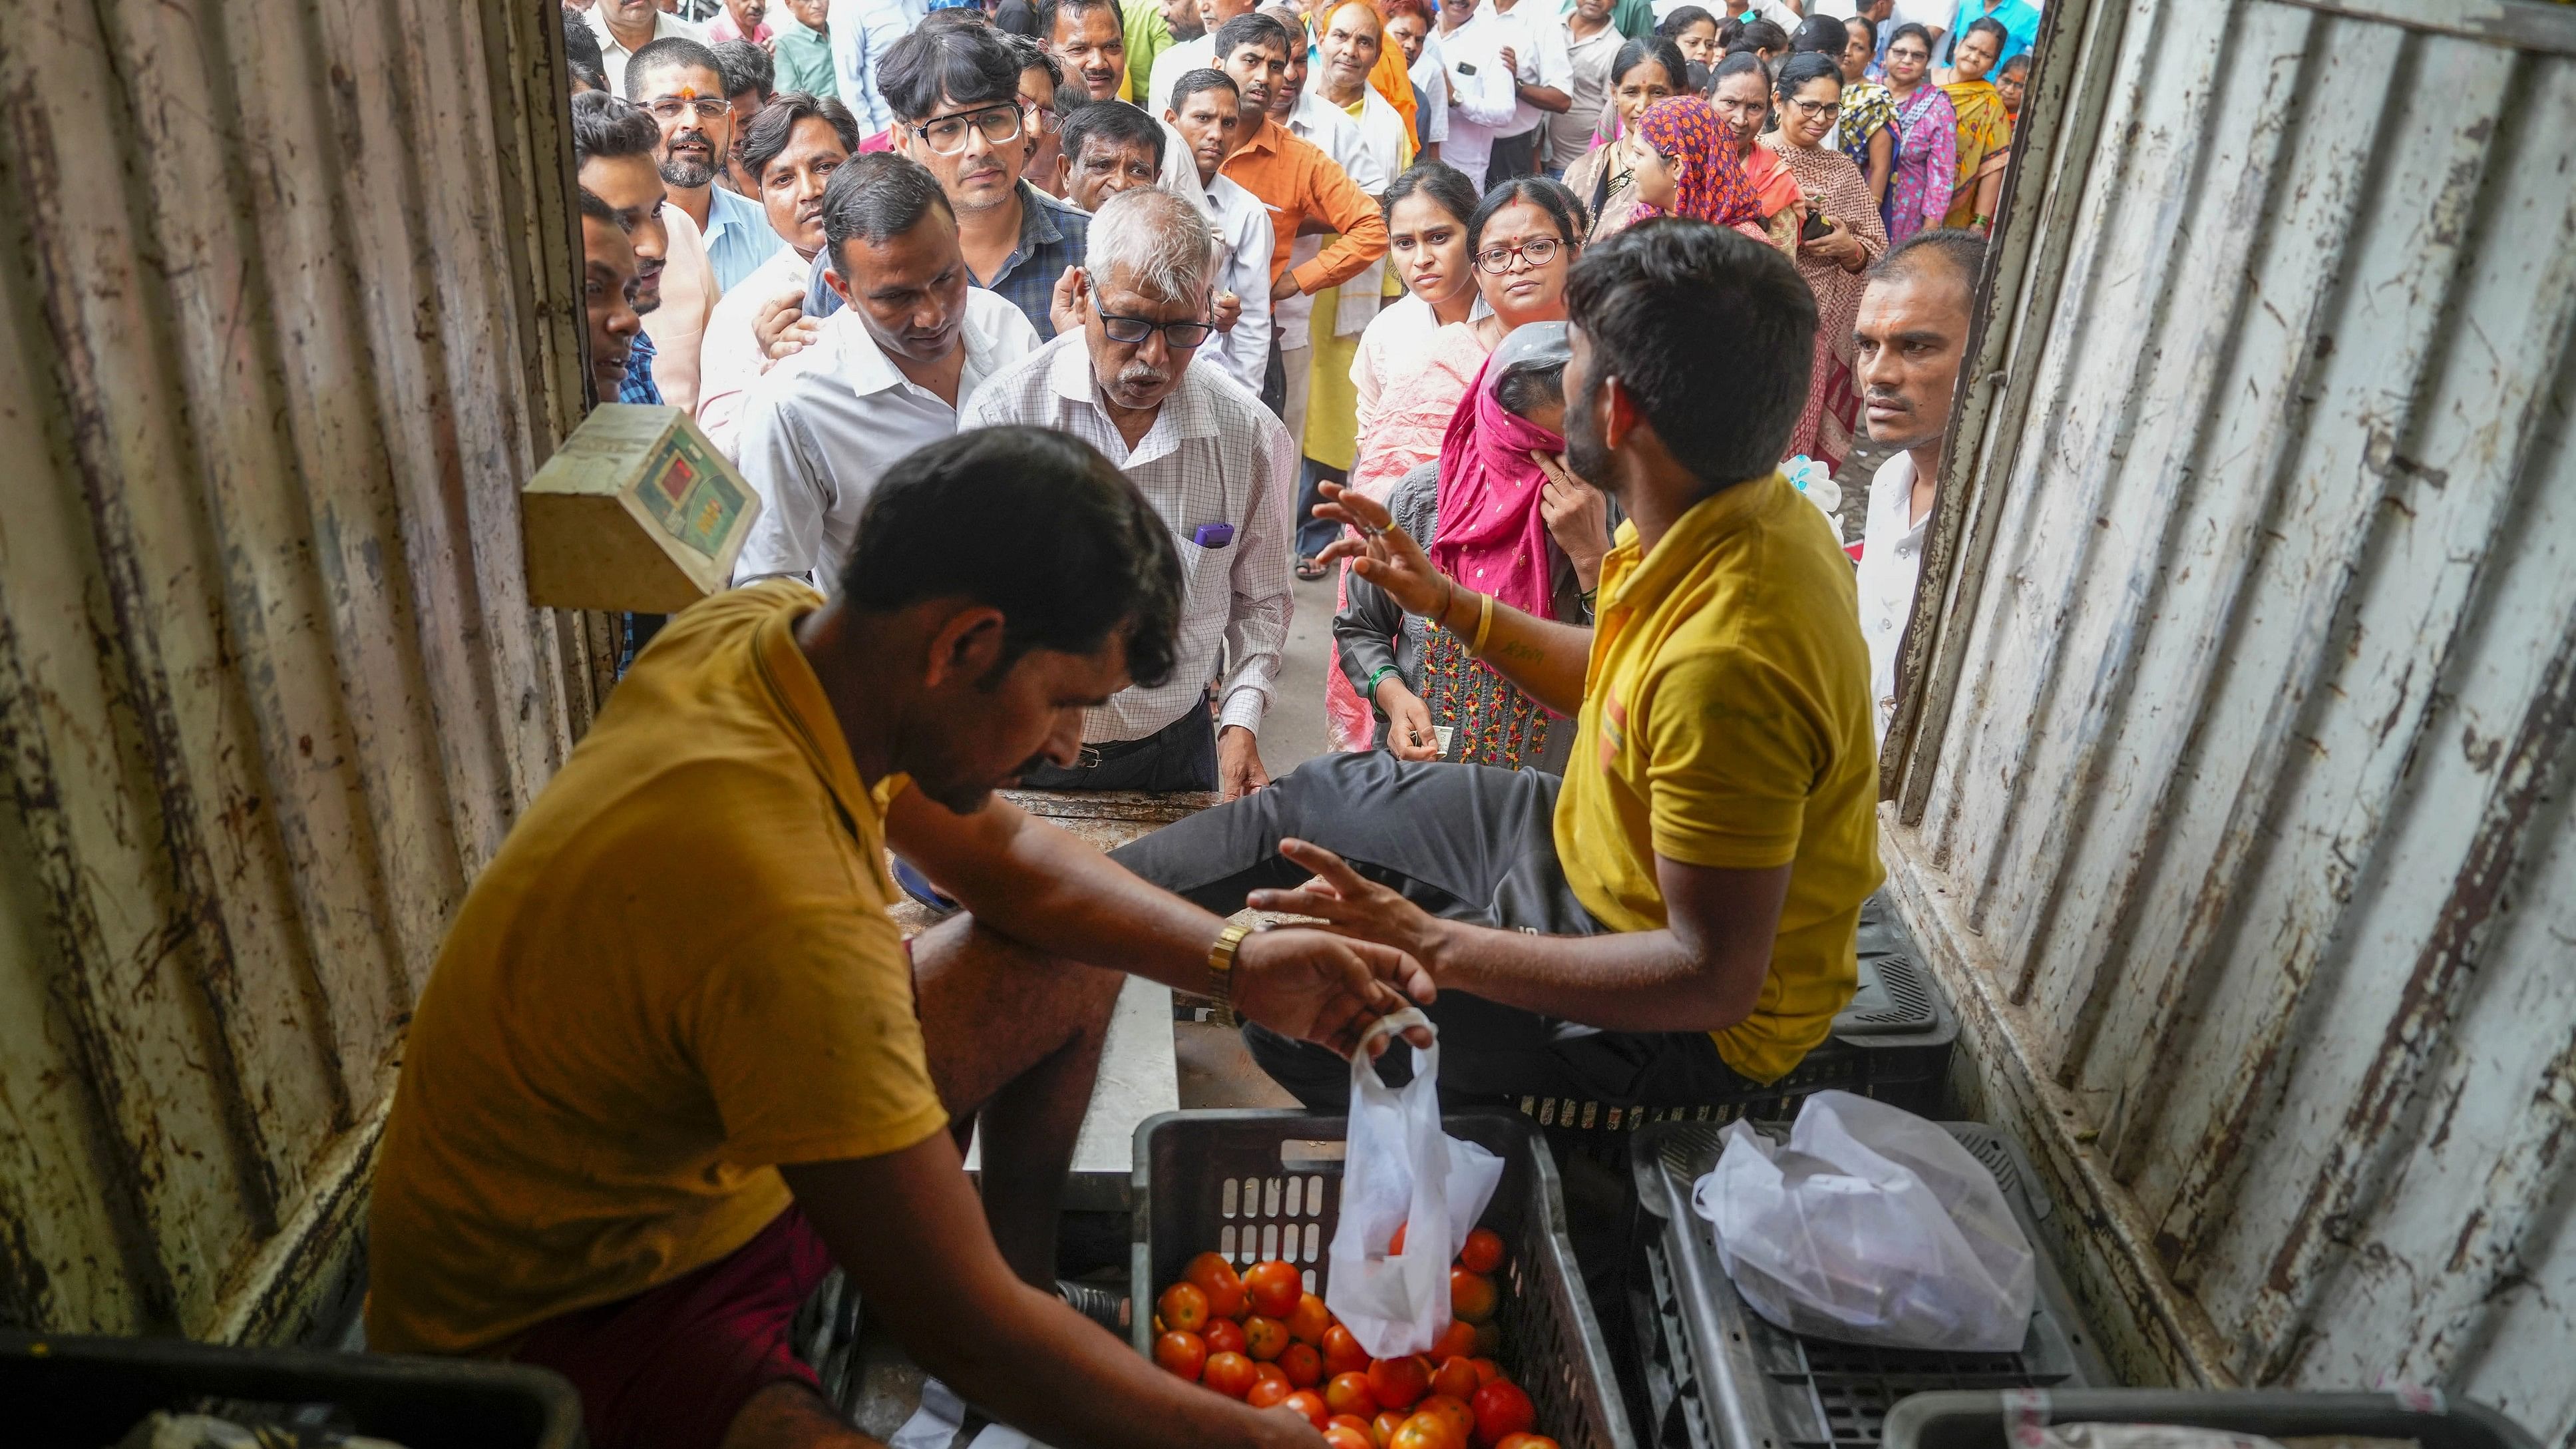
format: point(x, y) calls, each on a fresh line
point(80, 1393)
point(1716, 1373)
point(1255, 1185)
point(1981, 1420)
point(1891, 1043)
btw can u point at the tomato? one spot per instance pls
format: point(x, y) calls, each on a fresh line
point(1458, 1340)
point(1266, 1392)
point(1455, 1377)
point(1217, 1279)
point(1182, 1307)
point(1228, 1373)
point(1224, 1335)
point(1472, 1295)
point(1347, 1421)
point(1426, 1431)
point(1183, 1353)
point(1450, 1411)
point(1397, 1382)
point(1304, 1366)
point(1350, 1394)
point(1395, 1245)
point(1310, 1320)
point(1502, 1410)
point(1269, 1373)
point(1310, 1404)
point(1342, 1353)
point(1483, 1251)
point(1274, 1288)
point(1486, 1369)
point(1383, 1427)
point(1263, 1338)
point(1527, 1441)
point(1489, 1340)
point(1343, 1436)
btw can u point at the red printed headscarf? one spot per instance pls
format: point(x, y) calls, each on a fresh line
point(1708, 183)
point(1493, 537)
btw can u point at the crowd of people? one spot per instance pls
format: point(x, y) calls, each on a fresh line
point(1051, 386)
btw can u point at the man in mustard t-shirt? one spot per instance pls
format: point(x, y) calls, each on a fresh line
point(1676, 921)
point(675, 1060)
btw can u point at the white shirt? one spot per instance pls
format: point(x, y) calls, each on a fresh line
point(823, 426)
point(1431, 77)
point(1570, 135)
point(1213, 455)
point(730, 359)
point(613, 56)
point(862, 31)
point(1243, 240)
point(1481, 95)
point(1179, 60)
point(1891, 555)
point(1540, 49)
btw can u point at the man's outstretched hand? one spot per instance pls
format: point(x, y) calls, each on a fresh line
point(1354, 906)
point(1383, 554)
point(1319, 987)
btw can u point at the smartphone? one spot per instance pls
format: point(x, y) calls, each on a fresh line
point(1817, 227)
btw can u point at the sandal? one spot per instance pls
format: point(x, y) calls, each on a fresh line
point(1310, 569)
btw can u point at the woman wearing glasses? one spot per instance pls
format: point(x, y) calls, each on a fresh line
point(1831, 259)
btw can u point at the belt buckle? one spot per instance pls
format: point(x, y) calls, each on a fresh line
point(1087, 758)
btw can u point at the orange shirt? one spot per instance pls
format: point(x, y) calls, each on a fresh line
point(1296, 181)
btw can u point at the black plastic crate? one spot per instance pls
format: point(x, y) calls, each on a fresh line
point(79, 1393)
point(1254, 1185)
point(1728, 1377)
point(1981, 1420)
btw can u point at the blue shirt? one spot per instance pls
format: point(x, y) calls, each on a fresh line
point(2019, 18)
point(639, 386)
point(738, 236)
point(1052, 238)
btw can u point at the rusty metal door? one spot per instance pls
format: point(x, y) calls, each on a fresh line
point(286, 318)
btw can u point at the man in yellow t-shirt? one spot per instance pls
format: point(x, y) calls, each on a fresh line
point(1676, 921)
point(674, 1059)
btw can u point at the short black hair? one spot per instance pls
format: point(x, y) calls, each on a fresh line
point(1963, 252)
point(1527, 387)
point(965, 65)
point(1544, 192)
point(1737, 62)
point(876, 197)
point(1649, 299)
point(581, 47)
point(1819, 33)
point(1759, 34)
point(1250, 28)
point(1806, 68)
point(1446, 186)
point(669, 51)
point(1115, 122)
point(1032, 522)
point(1034, 56)
point(743, 66)
point(605, 128)
point(1657, 48)
point(1989, 25)
point(1205, 78)
point(774, 125)
point(1048, 10)
point(596, 208)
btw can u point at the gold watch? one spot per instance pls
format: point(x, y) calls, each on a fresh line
point(1221, 969)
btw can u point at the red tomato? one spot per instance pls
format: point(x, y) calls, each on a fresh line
point(1483, 1251)
point(1486, 1369)
point(1343, 1436)
point(1183, 1353)
point(1458, 1340)
point(1304, 1366)
point(1502, 1410)
point(1342, 1353)
point(1182, 1308)
point(1269, 1373)
point(1472, 1295)
point(1347, 1421)
point(1527, 1441)
point(1350, 1394)
point(1310, 1320)
point(1217, 1279)
point(1263, 1338)
point(1383, 1427)
point(1274, 1288)
point(1224, 1335)
point(1229, 1374)
point(1426, 1431)
point(1310, 1404)
point(1489, 1340)
point(1455, 1377)
point(1450, 1411)
point(1397, 1382)
point(1266, 1392)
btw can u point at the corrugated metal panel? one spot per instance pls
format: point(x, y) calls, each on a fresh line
point(283, 326)
point(2239, 795)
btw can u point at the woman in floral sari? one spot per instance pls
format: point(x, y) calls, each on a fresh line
point(1810, 92)
point(1982, 128)
point(1927, 161)
point(1868, 133)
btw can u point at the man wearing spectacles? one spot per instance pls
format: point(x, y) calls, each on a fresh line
point(1218, 468)
point(627, 26)
point(681, 85)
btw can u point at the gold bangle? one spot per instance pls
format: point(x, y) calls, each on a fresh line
point(1484, 624)
point(1220, 962)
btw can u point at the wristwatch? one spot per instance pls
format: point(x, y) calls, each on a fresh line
point(1221, 970)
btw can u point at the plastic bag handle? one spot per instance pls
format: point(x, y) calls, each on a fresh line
point(1389, 1025)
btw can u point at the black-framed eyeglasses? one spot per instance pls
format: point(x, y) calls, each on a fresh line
point(946, 135)
point(1178, 336)
point(1538, 251)
point(1818, 110)
point(1041, 118)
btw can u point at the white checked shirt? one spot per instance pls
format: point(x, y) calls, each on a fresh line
point(1213, 455)
point(824, 425)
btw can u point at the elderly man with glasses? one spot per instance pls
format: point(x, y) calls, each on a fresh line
point(1215, 464)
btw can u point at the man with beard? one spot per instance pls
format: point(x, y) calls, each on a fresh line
point(883, 376)
point(796, 144)
point(1085, 36)
point(1152, 27)
point(613, 142)
point(675, 1061)
point(1672, 924)
point(608, 289)
point(681, 84)
point(624, 27)
point(1912, 329)
point(1219, 470)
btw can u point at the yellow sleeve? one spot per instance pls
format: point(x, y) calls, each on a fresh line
point(1733, 756)
point(810, 1045)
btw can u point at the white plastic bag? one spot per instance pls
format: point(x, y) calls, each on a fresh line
point(1402, 1171)
point(1871, 1226)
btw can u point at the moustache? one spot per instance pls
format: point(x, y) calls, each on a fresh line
point(1893, 402)
point(1138, 375)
